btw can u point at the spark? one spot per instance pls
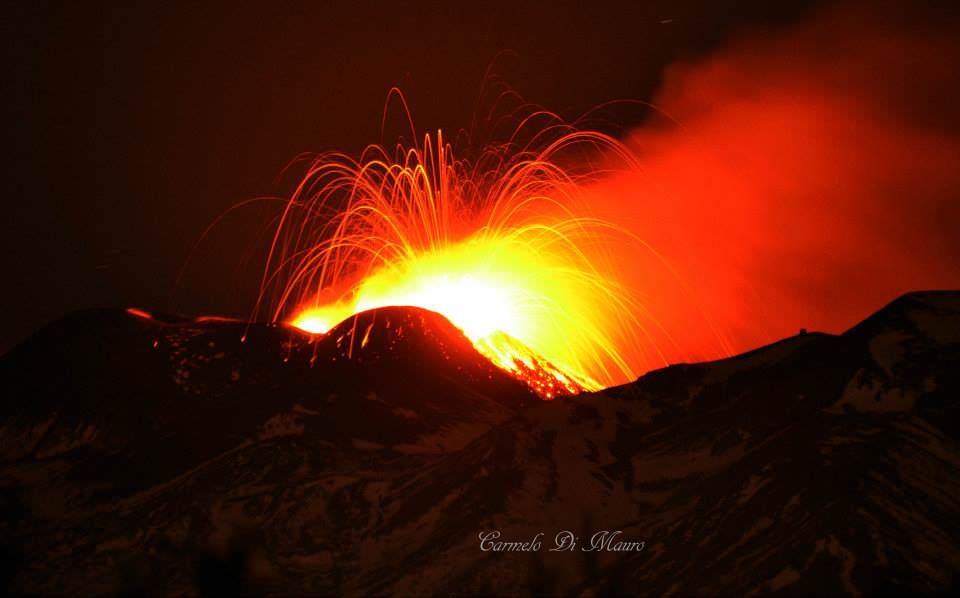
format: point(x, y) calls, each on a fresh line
point(133, 311)
point(504, 246)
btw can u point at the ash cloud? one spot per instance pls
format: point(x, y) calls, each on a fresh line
point(803, 178)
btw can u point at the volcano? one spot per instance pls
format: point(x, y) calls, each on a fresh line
point(143, 453)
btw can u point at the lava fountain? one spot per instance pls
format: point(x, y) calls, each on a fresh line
point(504, 246)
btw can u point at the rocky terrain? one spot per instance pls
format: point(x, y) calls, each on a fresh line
point(143, 454)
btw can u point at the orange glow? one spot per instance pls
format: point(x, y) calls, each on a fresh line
point(497, 291)
point(787, 181)
point(504, 247)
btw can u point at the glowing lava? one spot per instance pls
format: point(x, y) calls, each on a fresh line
point(503, 246)
point(496, 293)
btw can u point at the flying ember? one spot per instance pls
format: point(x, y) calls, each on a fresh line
point(503, 246)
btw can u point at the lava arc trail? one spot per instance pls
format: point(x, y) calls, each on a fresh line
point(504, 246)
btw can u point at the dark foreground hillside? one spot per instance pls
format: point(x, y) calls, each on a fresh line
point(186, 457)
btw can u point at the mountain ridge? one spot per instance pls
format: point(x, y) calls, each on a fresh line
point(822, 464)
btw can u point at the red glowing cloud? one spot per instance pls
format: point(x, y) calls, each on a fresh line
point(793, 181)
point(805, 180)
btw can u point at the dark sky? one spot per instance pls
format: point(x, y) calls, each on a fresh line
point(130, 128)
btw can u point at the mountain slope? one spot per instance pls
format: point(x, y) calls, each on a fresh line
point(819, 464)
point(149, 398)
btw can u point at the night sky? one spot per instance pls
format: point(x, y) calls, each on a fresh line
point(131, 128)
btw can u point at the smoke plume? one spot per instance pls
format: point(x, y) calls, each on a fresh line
point(798, 179)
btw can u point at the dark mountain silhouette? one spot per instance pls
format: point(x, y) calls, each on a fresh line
point(178, 456)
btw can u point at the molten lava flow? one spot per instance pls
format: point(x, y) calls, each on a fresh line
point(497, 290)
point(492, 291)
point(504, 247)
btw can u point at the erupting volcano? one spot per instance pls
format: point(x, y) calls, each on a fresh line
point(544, 354)
point(503, 246)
